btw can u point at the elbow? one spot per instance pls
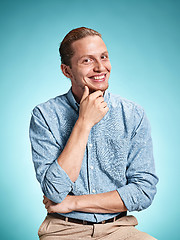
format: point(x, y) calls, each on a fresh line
point(48, 191)
point(56, 195)
point(144, 203)
point(55, 183)
point(145, 198)
point(137, 197)
point(145, 193)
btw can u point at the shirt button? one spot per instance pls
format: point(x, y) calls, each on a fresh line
point(93, 190)
point(92, 167)
point(90, 145)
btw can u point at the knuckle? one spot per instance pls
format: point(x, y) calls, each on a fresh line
point(90, 97)
point(99, 105)
point(96, 103)
point(101, 99)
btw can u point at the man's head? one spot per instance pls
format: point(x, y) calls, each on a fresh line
point(65, 50)
point(85, 60)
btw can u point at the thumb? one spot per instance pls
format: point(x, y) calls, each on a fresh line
point(85, 94)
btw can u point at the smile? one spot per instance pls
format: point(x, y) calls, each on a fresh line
point(99, 78)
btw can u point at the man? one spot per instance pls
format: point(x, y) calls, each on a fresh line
point(92, 151)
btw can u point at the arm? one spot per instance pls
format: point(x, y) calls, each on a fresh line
point(54, 181)
point(108, 202)
point(55, 167)
point(140, 189)
point(92, 110)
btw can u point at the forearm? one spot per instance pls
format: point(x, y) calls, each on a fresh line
point(109, 202)
point(71, 157)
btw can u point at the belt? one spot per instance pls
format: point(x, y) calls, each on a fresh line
point(83, 222)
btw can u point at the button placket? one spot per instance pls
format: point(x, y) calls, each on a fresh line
point(90, 145)
point(91, 167)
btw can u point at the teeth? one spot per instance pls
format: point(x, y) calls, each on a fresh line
point(100, 77)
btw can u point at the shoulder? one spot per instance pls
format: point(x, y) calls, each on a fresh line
point(132, 114)
point(50, 106)
point(128, 107)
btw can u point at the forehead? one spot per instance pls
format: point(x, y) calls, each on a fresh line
point(91, 45)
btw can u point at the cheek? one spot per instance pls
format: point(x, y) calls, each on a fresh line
point(108, 66)
point(86, 72)
point(77, 74)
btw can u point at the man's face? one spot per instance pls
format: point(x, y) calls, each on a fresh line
point(90, 65)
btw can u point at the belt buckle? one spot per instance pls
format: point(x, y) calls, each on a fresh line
point(103, 222)
point(84, 222)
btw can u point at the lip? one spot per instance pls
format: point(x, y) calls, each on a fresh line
point(99, 77)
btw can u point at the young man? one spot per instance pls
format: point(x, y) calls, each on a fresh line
point(92, 151)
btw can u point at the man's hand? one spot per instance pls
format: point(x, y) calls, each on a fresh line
point(92, 107)
point(64, 207)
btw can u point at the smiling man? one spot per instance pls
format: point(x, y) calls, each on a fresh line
point(92, 150)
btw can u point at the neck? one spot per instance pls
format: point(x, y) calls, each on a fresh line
point(77, 97)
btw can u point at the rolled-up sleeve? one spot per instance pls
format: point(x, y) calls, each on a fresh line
point(140, 189)
point(54, 181)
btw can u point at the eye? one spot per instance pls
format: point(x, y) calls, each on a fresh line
point(104, 56)
point(87, 60)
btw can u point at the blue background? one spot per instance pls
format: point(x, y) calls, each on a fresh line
point(143, 41)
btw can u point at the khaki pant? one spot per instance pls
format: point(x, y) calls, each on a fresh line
point(122, 229)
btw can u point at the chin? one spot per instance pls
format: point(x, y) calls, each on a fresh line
point(101, 88)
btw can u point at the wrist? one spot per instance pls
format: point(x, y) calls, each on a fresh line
point(84, 125)
point(81, 203)
point(74, 203)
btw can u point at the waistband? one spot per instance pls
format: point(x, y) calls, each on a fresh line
point(83, 222)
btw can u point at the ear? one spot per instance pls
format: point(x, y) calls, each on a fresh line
point(66, 70)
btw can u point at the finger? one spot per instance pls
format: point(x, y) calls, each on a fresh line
point(45, 201)
point(85, 94)
point(44, 197)
point(106, 109)
point(47, 205)
point(49, 209)
point(99, 100)
point(96, 94)
point(104, 104)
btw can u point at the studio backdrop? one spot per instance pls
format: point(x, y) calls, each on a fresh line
point(142, 38)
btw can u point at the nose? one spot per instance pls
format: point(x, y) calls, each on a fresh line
point(99, 66)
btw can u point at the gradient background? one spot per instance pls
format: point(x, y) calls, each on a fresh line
point(143, 41)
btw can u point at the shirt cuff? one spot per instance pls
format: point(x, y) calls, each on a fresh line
point(58, 184)
point(129, 196)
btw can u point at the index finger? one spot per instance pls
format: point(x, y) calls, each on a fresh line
point(96, 94)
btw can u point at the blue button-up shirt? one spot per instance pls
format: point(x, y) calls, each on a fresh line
point(118, 154)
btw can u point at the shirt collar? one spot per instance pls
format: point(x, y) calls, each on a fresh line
point(75, 105)
point(72, 100)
